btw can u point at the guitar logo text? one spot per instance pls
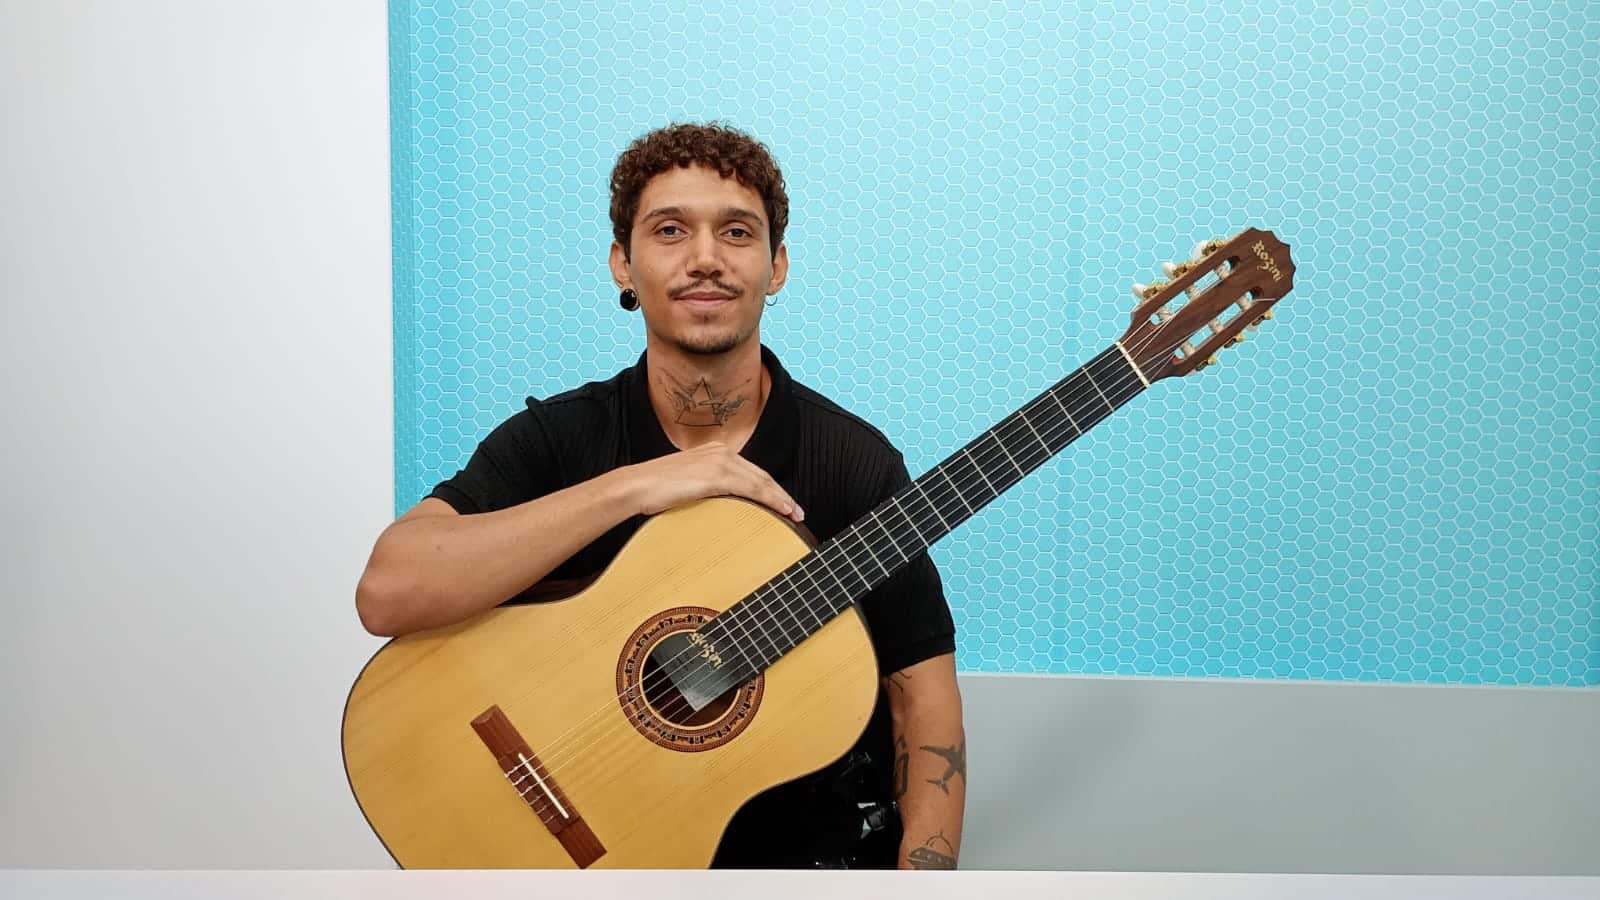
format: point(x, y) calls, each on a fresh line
point(706, 649)
point(1267, 264)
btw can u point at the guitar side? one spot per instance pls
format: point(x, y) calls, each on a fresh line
point(433, 791)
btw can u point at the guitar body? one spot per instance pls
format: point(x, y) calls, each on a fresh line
point(523, 739)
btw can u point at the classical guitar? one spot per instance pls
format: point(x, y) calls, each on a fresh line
point(719, 654)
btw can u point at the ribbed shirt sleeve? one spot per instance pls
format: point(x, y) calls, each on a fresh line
point(512, 465)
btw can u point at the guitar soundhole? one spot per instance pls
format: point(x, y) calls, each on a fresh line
point(654, 706)
point(669, 704)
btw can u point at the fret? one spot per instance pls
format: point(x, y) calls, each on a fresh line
point(821, 555)
point(861, 539)
point(738, 629)
point(877, 520)
point(931, 505)
point(998, 440)
point(914, 529)
point(768, 624)
point(1026, 454)
point(757, 635)
point(981, 474)
point(805, 601)
point(774, 622)
point(1023, 415)
point(1083, 401)
point(866, 583)
point(1057, 398)
point(1097, 390)
point(783, 596)
point(953, 487)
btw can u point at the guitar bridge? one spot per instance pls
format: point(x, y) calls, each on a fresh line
point(537, 787)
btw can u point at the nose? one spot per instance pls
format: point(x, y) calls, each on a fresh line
point(705, 260)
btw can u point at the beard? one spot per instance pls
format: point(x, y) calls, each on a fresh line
point(711, 341)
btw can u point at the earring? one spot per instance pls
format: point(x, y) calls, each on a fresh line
point(629, 300)
point(771, 303)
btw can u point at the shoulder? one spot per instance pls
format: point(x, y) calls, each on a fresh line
point(586, 407)
point(832, 422)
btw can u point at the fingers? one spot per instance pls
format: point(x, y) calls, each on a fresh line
point(760, 487)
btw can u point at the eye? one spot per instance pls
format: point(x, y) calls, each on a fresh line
point(747, 232)
point(663, 229)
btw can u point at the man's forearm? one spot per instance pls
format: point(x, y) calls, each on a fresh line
point(931, 774)
point(438, 570)
point(930, 765)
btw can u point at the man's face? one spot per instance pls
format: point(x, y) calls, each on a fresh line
point(702, 260)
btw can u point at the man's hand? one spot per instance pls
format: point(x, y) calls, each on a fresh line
point(710, 470)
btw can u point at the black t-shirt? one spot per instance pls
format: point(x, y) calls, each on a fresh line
point(837, 467)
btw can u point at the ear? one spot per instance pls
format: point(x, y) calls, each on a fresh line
point(620, 270)
point(780, 269)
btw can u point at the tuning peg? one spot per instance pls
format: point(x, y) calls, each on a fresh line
point(1146, 291)
point(1210, 362)
point(1267, 314)
point(1236, 339)
point(1175, 271)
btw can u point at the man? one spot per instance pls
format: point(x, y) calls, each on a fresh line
point(698, 214)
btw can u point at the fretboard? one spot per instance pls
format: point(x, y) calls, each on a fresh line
point(793, 605)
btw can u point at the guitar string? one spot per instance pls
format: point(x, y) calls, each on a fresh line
point(746, 631)
point(806, 703)
point(808, 564)
point(586, 766)
point(562, 751)
point(561, 748)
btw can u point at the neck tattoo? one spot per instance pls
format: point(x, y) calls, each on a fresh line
point(698, 405)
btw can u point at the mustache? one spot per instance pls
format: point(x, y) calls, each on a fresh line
point(704, 286)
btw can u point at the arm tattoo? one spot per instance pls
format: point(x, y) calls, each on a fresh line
point(902, 767)
point(926, 857)
point(897, 680)
point(955, 761)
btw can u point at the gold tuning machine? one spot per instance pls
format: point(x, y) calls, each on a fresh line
point(1144, 292)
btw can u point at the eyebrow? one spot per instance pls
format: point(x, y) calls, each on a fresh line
point(728, 212)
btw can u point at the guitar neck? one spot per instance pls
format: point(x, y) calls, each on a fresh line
point(801, 599)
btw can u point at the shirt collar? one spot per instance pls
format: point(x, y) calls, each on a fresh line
point(771, 446)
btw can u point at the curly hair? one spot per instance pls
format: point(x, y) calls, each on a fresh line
point(729, 152)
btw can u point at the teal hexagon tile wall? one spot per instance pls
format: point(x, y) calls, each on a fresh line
point(1397, 479)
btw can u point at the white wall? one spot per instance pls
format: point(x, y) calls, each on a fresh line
point(195, 378)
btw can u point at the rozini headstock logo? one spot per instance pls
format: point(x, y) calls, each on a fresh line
point(1266, 260)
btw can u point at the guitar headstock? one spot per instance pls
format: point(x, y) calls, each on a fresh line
point(1231, 284)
